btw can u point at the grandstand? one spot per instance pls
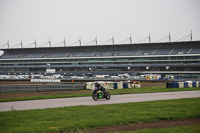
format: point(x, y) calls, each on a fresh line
point(158, 58)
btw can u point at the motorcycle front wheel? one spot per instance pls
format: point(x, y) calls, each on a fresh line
point(107, 96)
point(95, 96)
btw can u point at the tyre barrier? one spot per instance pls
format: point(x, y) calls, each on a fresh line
point(187, 84)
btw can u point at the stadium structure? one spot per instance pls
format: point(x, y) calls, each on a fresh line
point(176, 58)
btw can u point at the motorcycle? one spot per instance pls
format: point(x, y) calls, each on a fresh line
point(99, 92)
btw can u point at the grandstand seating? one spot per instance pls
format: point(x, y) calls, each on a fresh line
point(9, 56)
point(35, 55)
point(180, 51)
point(86, 54)
point(114, 53)
point(56, 55)
point(163, 51)
point(145, 52)
point(174, 48)
point(195, 51)
point(130, 52)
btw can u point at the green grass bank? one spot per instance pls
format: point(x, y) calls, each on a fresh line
point(87, 117)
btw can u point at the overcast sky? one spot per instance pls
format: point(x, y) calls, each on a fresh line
point(43, 19)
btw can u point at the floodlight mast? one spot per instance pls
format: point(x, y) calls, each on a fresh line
point(149, 38)
point(130, 39)
point(49, 42)
point(113, 39)
point(8, 44)
point(21, 44)
point(96, 40)
point(80, 40)
point(64, 42)
point(35, 44)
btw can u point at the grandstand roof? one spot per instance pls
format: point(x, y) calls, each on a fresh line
point(169, 48)
point(184, 43)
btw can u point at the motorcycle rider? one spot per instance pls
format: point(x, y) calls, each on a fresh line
point(99, 87)
point(99, 92)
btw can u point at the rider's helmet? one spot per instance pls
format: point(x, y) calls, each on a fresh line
point(97, 85)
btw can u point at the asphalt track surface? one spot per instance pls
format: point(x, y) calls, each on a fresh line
point(65, 102)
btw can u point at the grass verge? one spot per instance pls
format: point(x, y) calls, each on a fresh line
point(86, 117)
point(112, 92)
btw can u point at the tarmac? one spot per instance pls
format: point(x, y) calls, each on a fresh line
point(115, 99)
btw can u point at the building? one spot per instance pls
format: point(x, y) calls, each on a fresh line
point(156, 58)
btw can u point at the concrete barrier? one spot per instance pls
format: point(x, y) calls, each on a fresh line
point(120, 85)
point(110, 85)
point(197, 84)
point(90, 85)
point(114, 85)
point(125, 85)
point(194, 83)
point(187, 84)
point(181, 84)
point(130, 85)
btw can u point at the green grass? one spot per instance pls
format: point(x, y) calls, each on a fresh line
point(179, 129)
point(150, 90)
point(113, 92)
point(45, 97)
point(87, 117)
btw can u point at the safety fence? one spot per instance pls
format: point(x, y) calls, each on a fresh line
point(41, 87)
